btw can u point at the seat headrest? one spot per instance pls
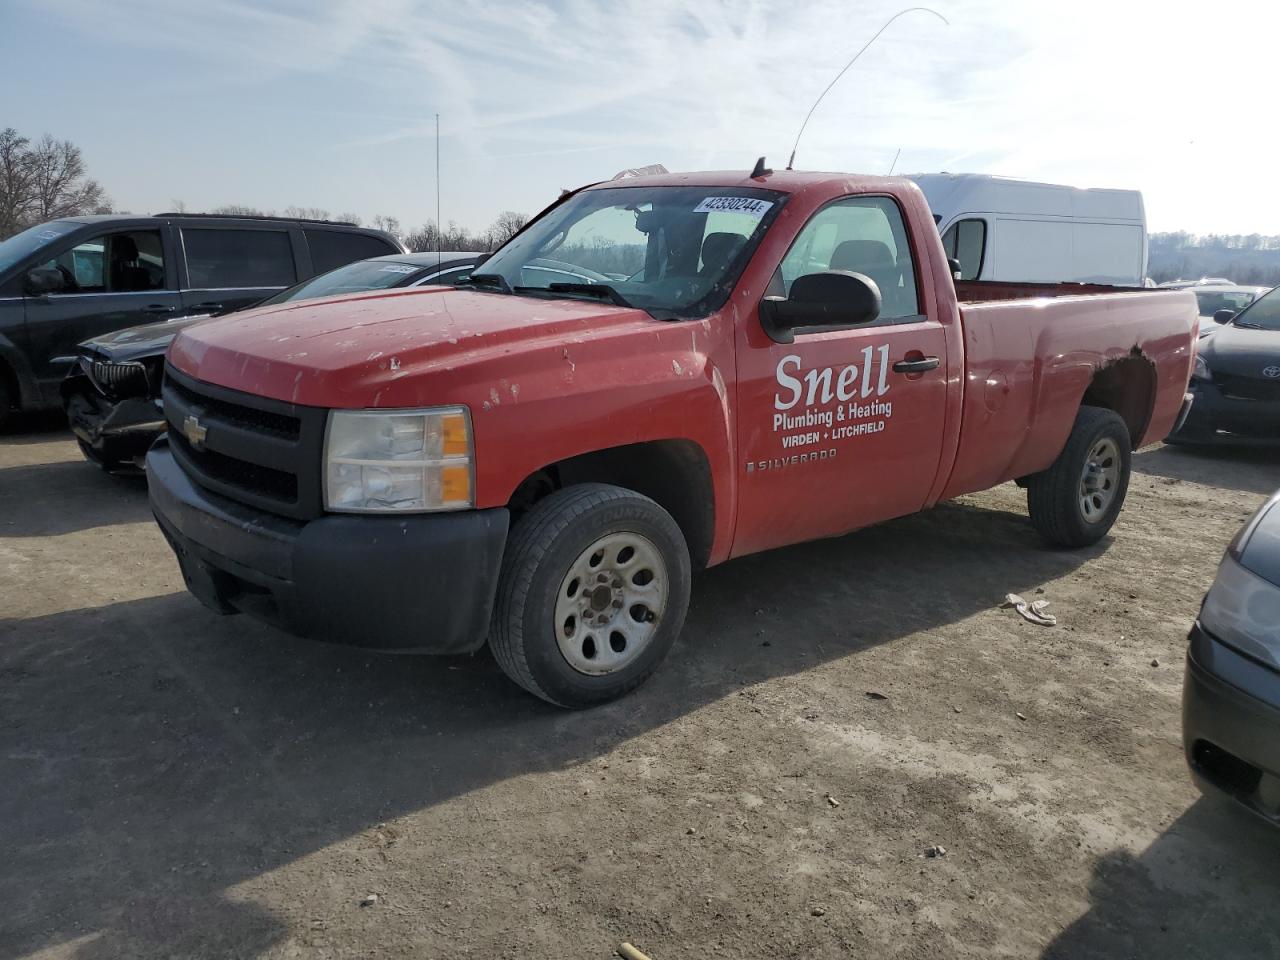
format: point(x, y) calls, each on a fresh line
point(862, 255)
point(124, 248)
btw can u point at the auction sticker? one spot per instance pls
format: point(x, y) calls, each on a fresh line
point(748, 205)
point(397, 268)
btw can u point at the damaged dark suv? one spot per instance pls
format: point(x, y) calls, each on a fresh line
point(65, 281)
point(112, 392)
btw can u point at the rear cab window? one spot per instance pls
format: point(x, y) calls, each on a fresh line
point(865, 235)
point(221, 258)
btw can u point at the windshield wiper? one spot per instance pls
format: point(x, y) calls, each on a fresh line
point(496, 280)
point(1246, 323)
point(600, 290)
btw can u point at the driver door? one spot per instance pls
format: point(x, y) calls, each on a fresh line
point(114, 280)
point(841, 428)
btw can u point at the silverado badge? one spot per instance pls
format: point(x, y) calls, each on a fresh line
point(194, 431)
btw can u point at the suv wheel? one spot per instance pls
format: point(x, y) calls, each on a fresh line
point(594, 590)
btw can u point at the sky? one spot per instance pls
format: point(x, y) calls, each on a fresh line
point(332, 103)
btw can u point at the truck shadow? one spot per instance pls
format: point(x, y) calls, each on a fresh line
point(1196, 892)
point(156, 755)
point(50, 499)
point(1248, 469)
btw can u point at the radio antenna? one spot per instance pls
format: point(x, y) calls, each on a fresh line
point(893, 166)
point(900, 13)
point(439, 227)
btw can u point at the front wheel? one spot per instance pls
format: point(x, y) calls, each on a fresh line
point(594, 591)
point(1075, 502)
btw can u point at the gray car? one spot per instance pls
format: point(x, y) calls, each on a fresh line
point(1231, 695)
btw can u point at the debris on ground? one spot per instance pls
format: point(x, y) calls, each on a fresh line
point(818, 912)
point(1155, 663)
point(936, 851)
point(369, 900)
point(1020, 716)
point(832, 800)
point(1034, 612)
point(628, 952)
point(876, 695)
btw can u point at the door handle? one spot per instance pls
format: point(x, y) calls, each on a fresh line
point(916, 366)
point(158, 308)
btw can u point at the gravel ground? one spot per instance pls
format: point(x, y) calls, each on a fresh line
point(177, 784)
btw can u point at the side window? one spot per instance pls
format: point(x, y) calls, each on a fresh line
point(218, 259)
point(862, 234)
point(966, 241)
point(127, 262)
point(336, 248)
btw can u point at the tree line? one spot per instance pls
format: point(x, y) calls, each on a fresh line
point(1252, 259)
point(47, 179)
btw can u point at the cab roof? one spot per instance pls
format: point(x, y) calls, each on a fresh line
point(783, 181)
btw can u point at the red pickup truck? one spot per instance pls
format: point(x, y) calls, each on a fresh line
point(656, 375)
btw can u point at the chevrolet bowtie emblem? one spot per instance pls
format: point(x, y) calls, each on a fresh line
point(194, 431)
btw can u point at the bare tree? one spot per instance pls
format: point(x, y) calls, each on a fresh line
point(508, 224)
point(61, 187)
point(43, 181)
point(307, 213)
point(384, 222)
point(238, 210)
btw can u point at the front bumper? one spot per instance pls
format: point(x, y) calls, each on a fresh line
point(421, 583)
point(114, 429)
point(1213, 417)
point(1231, 725)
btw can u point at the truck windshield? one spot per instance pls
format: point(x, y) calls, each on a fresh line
point(672, 251)
point(358, 277)
point(21, 245)
point(1262, 314)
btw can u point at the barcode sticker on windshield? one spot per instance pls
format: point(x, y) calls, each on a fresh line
point(397, 268)
point(746, 205)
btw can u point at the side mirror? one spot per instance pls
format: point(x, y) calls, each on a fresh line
point(42, 281)
point(957, 271)
point(832, 299)
point(1223, 316)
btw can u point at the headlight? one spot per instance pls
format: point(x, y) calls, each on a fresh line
point(1242, 610)
point(1201, 370)
point(402, 461)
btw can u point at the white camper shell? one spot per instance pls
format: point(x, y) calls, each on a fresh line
point(1025, 232)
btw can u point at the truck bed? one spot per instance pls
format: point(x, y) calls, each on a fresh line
point(1031, 352)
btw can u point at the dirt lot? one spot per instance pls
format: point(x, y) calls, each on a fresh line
point(177, 784)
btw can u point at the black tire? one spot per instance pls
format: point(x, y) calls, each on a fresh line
point(1055, 496)
point(541, 550)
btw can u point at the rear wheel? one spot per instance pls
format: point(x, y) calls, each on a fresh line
point(1075, 502)
point(594, 590)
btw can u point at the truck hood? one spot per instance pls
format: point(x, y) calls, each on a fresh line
point(373, 349)
point(137, 343)
point(1240, 351)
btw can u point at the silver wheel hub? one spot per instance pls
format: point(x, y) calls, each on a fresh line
point(610, 603)
point(1099, 480)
